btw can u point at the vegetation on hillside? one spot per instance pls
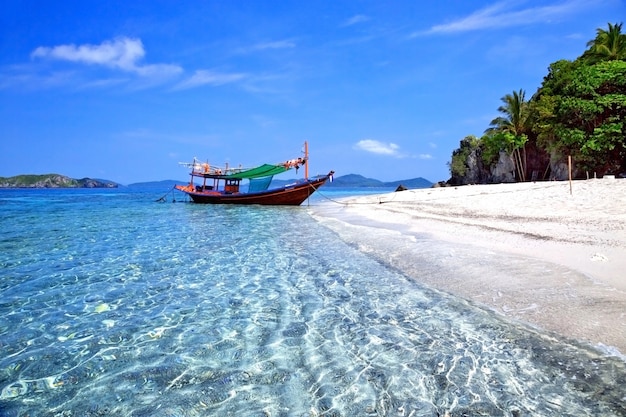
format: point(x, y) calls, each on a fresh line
point(578, 111)
point(52, 181)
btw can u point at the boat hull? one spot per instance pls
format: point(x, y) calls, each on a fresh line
point(289, 195)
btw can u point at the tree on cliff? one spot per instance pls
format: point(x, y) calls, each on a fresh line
point(608, 45)
point(580, 108)
point(466, 165)
point(509, 132)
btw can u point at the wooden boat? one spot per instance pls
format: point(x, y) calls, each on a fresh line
point(223, 186)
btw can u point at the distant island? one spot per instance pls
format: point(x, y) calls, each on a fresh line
point(344, 181)
point(357, 181)
point(53, 181)
point(62, 181)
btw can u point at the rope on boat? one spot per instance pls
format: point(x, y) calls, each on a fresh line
point(163, 199)
point(351, 203)
point(317, 190)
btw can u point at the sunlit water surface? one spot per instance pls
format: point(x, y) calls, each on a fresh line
point(113, 304)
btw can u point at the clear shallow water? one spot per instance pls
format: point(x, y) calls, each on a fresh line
point(112, 304)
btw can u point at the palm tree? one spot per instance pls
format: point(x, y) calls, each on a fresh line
point(608, 44)
point(513, 123)
point(515, 115)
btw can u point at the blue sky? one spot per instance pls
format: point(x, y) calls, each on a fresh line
point(124, 90)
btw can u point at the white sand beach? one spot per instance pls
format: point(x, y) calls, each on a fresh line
point(534, 252)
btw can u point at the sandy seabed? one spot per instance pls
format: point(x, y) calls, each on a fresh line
point(568, 239)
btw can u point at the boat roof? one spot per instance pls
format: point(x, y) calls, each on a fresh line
point(264, 170)
point(205, 170)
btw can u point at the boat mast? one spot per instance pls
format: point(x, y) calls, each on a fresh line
point(306, 160)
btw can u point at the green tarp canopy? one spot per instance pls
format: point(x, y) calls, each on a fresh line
point(263, 171)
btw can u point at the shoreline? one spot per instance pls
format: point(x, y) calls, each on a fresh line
point(531, 252)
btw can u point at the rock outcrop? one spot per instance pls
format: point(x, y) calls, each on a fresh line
point(539, 165)
point(503, 170)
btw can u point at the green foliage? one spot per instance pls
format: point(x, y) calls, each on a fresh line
point(491, 146)
point(608, 45)
point(580, 110)
point(543, 117)
point(495, 142)
point(509, 132)
point(51, 181)
point(515, 115)
point(30, 180)
point(458, 163)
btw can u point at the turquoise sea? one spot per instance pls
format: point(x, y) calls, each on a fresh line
point(112, 304)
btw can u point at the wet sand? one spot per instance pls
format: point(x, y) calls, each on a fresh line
point(568, 242)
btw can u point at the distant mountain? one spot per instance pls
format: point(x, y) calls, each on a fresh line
point(358, 181)
point(61, 181)
point(157, 184)
point(53, 181)
point(418, 182)
point(354, 180)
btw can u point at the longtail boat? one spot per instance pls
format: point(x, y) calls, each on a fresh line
point(223, 185)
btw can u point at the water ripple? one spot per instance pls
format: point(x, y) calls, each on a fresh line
point(113, 306)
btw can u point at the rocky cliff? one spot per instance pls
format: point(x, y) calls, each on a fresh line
point(539, 165)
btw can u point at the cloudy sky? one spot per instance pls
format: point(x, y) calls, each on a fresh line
point(125, 90)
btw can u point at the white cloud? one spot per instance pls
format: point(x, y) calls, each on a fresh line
point(206, 77)
point(425, 156)
point(121, 53)
point(503, 14)
point(27, 79)
point(359, 18)
point(104, 83)
point(377, 147)
point(284, 44)
point(158, 70)
point(264, 46)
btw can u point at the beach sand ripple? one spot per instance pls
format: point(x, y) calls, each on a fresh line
point(534, 252)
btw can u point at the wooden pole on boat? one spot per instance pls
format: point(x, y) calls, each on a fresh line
point(306, 160)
